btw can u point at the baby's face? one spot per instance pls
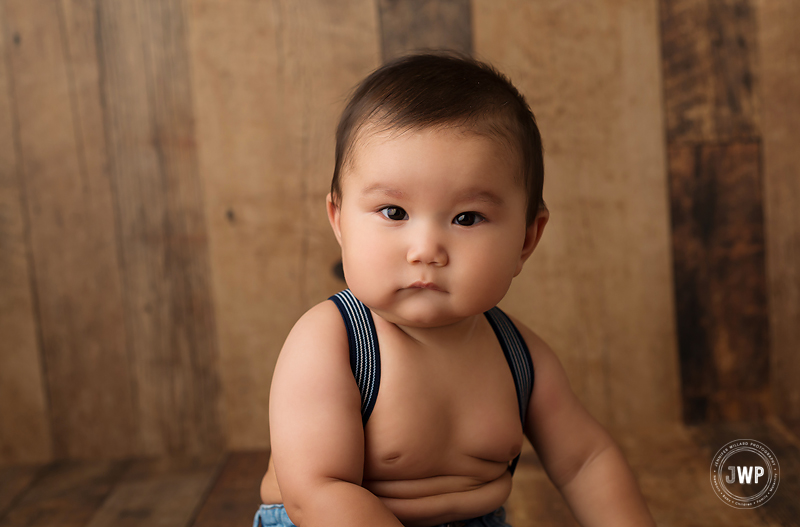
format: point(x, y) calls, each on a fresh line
point(431, 225)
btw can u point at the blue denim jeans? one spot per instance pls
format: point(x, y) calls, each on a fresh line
point(275, 516)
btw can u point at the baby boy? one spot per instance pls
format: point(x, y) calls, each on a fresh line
point(404, 399)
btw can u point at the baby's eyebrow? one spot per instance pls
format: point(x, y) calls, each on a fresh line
point(382, 189)
point(470, 195)
point(480, 195)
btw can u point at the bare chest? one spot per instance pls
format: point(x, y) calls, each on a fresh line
point(442, 413)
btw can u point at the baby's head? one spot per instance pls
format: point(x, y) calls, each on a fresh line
point(430, 91)
point(436, 198)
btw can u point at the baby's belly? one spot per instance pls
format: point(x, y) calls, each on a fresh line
point(438, 499)
point(429, 500)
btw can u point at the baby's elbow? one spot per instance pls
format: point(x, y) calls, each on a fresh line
point(311, 501)
point(582, 461)
point(295, 501)
point(565, 472)
point(294, 510)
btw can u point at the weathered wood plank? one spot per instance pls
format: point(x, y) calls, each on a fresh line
point(24, 423)
point(158, 492)
point(598, 288)
point(169, 311)
point(709, 60)
point(779, 66)
point(14, 481)
point(709, 57)
point(424, 25)
point(235, 497)
point(68, 495)
point(71, 222)
point(720, 282)
point(270, 80)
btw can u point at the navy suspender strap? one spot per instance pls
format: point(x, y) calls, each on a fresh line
point(519, 360)
point(365, 357)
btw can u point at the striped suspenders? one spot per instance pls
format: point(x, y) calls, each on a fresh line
point(519, 360)
point(365, 359)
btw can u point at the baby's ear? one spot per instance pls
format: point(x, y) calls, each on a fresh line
point(532, 236)
point(334, 217)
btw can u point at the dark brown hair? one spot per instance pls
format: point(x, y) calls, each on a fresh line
point(440, 90)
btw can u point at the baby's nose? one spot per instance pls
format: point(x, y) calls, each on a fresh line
point(427, 247)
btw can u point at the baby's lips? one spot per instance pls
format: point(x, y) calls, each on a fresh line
point(425, 285)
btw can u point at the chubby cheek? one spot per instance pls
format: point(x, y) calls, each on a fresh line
point(489, 278)
point(369, 263)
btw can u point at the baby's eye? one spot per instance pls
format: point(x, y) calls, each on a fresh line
point(468, 218)
point(394, 213)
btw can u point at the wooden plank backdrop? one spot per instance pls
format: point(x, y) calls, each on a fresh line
point(720, 283)
point(160, 492)
point(408, 27)
point(779, 69)
point(163, 169)
point(70, 223)
point(713, 136)
point(271, 79)
point(598, 287)
point(67, 493)
point(236, 491)
point(23, 398)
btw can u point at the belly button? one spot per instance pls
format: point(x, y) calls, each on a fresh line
point(391, 458)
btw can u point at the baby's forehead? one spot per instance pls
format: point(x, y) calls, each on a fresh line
point(373, 134)
point(383, 154)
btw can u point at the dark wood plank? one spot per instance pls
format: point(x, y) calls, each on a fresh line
point(424, 25)
point(14, 481)
point(169, 311)
point(779, 83)
point(164, 492)
point(67, 495)
point(709, 63)
point(72, 234)
point(720, 282)
point(235, 497)
point(793, 427)
point(24, 422)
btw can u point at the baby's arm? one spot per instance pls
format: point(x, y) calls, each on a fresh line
point(580, 457)
point(316, 431)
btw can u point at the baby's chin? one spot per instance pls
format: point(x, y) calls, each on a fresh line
point(419, 322)
point(422, 313)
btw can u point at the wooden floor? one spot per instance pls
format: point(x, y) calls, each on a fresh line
point(671, 463)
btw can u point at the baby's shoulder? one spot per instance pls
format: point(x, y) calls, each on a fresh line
point(542, 355)
point(325, 316)
point(534, 342)
point(319, 331)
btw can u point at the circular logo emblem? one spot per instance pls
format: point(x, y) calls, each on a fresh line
point(745, 474)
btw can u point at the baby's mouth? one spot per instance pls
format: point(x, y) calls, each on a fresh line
point(425, 285)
